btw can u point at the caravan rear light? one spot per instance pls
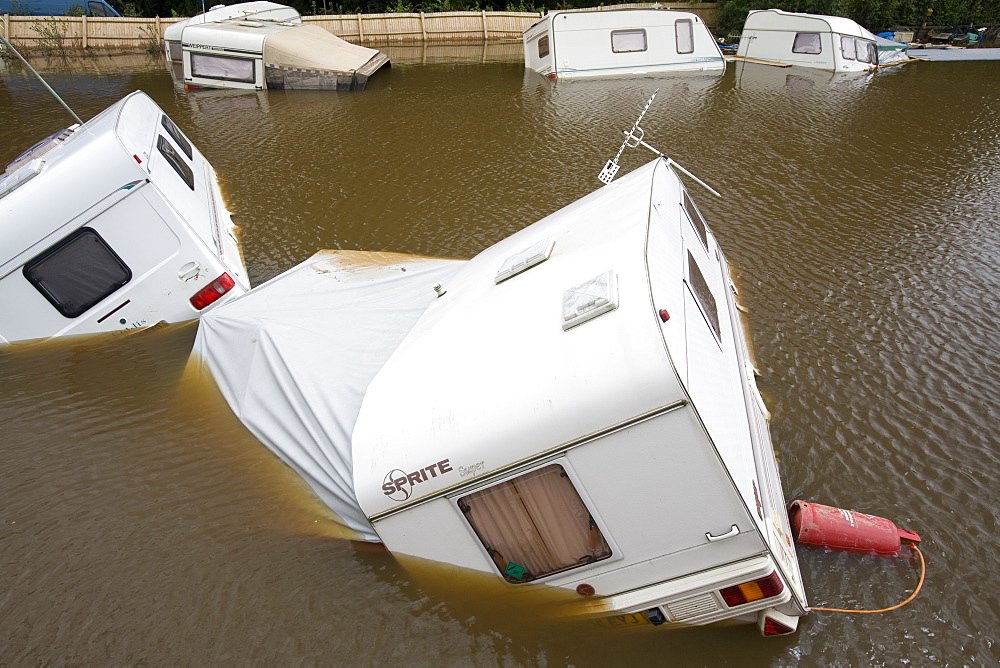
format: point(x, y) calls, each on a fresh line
point(773, 627)
point(754, 590)
point(211, 292)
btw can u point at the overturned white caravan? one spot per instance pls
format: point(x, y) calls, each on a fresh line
point(116, 224)
point(573, 407)
point(831, 43)
point(258, 45)
point(619, 42)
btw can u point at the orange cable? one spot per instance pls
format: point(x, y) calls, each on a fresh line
point(923, 570)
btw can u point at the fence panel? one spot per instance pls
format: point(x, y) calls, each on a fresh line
point(137, 34)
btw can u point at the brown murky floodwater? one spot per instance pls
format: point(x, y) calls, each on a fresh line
point(140, 524)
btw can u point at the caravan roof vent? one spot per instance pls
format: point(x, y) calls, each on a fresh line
point(590, 299)
point(535, 254)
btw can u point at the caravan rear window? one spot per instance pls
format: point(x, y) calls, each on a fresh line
point(628, 41)
point(685, 36)
point(543, 47)
point(177, 135)
point(78, 272)
point(807, 42)
point(535, 525)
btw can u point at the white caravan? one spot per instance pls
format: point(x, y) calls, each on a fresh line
point(116, 224)
point(258, 45)
point(573, 407)
point(831, 43)
point(620, 42)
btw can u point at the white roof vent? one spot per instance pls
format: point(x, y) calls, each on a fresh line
point(590, 299)
point(526, 259)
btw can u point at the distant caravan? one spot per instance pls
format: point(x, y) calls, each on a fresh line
point(258, 45)
point(832, 43)
point(621, 42)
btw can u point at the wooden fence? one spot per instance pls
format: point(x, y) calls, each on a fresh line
point(137, 34)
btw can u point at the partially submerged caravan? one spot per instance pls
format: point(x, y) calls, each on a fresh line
point(116, 224)
point(620, 42)
point(830, 43)
point(573, 407)
point(257, 45)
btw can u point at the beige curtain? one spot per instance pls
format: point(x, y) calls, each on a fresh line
point(535, 525)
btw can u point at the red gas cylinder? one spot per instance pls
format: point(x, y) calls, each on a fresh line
point(841, 529)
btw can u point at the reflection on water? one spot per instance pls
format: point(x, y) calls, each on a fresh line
point(142, 523)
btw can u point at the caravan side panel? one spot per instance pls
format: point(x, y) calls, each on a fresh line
point(630, 42)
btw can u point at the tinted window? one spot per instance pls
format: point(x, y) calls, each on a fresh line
point(176, 161)
point(806, 42)
point(99, 9)
point(78, 272)
point(628, 41)
point(543, 47)
point(703, 295)
point(685, 36)
point(178, 136)
point(535, 525)
point(696, 220)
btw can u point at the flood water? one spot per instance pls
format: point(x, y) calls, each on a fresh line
point(141, 524)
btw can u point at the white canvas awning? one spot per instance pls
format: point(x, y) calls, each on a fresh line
point(309, 47)
point(294, 357)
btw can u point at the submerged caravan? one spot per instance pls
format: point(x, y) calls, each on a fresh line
point(620, 42)
point(831, 43)
point(114, 224)
point(257, 45)
point(548, 412)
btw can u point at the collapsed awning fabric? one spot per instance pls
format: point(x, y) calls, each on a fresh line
point(309, 47)
point(294, 356)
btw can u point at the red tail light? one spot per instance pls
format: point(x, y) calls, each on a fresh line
point(773, 627)
point(211, 292)
point(754, 590)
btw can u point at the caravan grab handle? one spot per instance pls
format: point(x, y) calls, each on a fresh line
point(729, 534)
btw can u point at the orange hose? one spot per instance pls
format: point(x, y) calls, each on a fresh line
point(923, 570)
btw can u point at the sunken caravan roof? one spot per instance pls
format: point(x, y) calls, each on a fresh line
point(257, 11)
point(96, 158)
point(489, 374)
point(777, 19)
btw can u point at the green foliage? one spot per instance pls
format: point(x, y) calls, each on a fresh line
point(876, 15)
point(399, 7)
point(74, 10)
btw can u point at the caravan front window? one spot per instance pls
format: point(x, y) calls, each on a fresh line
point(847, 47)
point(628, 41)
point(78, 272)
point(535, 525)
point(223, 68)
point(703, 295)
point(862, 50)
point(807, 42)
point(685, 36)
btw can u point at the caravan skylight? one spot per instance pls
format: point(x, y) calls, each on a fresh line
point(590, 299)
point(534, 254)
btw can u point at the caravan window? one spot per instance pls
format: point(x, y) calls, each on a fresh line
point(178, 136)
point(866, 51)
point(535, 525)
point(806, 42)
point(224, 68)
point(78, 272)
point(696, 220)
point(176, 161)
point(628, 41)
point(847, 47)
point(685, 36)
point(543, 47)
point(703, 295)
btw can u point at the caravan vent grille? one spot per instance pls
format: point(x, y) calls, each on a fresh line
point(692, 607)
